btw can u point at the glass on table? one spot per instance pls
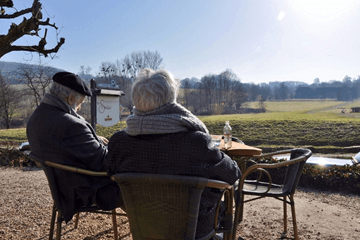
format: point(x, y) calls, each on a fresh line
point(216, 140)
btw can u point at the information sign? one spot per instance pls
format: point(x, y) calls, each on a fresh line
point(107, 110)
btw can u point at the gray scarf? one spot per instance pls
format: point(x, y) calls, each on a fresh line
point(55, 101)
point(169, 118)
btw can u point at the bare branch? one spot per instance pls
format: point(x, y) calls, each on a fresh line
point(6, 3)
point(17, 13)
point(38, 48)
point(27, 27)
point(47, 23)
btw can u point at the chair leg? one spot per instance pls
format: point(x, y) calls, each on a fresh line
point(239, 212)
point(242, 198)
point(294, 216)
point(58, 225)
point(114, 224)
point(77, 220)
point(285, 215)
point(52, 223)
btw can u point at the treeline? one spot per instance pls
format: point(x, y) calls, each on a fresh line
point(347, 90)
point(222, 93)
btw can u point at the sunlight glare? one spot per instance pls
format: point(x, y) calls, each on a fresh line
point(281, 15)
point(321, 161)
point(324, 8)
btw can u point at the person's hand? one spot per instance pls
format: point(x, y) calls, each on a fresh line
point(104, 140)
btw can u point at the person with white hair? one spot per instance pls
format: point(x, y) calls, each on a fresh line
point(58, 134)
point(164, 137)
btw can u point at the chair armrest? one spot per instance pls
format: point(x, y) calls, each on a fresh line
point(68, 168)
point(228, 194)
point(218, 184)
point(76, 170)
point(280, 164)
point(272, 154)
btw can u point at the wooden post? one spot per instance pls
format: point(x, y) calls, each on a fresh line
point(93, 103)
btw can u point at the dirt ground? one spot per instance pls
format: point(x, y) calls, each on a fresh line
point(25, 210)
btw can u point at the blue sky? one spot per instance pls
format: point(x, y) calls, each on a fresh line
point(261, 41)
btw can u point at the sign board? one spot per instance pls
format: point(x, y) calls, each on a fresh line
point(107, 110)
point(105, 105)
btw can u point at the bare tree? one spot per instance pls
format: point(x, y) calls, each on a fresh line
point(225, 84)
point(209, 83)
point(85, 73)
point(238, 95)
point(131, 64)
point(107, 72)
point(28, 27)
point(283, 91)
point(196, 100)
point(186, 90)
point(265, 91)
point(84, 70)
point(10, 98)
point(37, 78)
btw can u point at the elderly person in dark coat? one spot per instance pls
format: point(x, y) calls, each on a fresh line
point(163, 137)
point(57, 133)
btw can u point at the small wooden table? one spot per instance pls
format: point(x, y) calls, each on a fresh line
point(238, 150)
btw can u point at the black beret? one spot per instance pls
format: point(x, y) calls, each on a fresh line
point(72, 81)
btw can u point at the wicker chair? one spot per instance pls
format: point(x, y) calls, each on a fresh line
point(48, 168)
point(260, 189)
point(161, 206)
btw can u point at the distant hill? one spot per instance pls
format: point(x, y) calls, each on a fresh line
point(8, 66)
point(11, 68)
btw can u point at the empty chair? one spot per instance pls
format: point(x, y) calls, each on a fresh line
point(260, 189)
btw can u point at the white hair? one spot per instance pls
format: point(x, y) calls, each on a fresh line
point(64, 92)
point(152, 89)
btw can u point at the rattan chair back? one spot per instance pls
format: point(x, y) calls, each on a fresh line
point(294, 171)
point(161, 206)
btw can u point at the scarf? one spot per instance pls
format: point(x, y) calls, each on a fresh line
point(55, 101)
point(169, 118)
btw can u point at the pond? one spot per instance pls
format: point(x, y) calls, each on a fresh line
point(324, 161)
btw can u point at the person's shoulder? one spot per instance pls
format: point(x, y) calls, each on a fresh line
point(119, 135)
point(198, 136)
point(70, 121)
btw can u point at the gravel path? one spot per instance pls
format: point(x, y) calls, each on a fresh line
point(25, 210)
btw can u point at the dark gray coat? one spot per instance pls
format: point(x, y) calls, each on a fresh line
point(185, 153)
point(56, 133)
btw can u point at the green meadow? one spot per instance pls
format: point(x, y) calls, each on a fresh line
point(294, 123)
point(288, 123)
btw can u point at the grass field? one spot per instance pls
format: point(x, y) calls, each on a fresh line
point(290, 123)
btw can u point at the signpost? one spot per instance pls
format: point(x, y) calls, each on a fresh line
point(105, 105)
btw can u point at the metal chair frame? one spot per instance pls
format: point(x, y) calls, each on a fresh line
point(301, 155)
